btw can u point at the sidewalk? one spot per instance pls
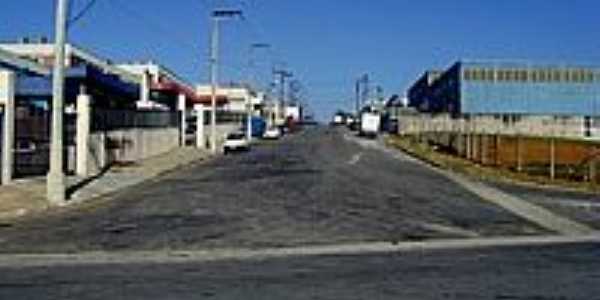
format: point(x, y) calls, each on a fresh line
point(28, 196)
point(512, 203)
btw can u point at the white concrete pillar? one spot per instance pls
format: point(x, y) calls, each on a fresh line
point(7, 98)
point(145, 88)
point(200, 136)
point(248, 119)
point(183, 124)
point(83, 134)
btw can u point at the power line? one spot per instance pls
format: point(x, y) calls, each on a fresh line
point(81, 13)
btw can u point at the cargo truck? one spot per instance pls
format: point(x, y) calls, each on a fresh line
point(259, 126)
point(370, 123)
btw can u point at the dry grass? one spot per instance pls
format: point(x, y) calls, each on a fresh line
point(460, 165)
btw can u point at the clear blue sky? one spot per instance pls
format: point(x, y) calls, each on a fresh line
point(327, 43)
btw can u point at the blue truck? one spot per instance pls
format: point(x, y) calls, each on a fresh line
point(259, 126)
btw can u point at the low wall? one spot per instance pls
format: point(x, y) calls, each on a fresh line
point(129, 145)
point(537, 126)
point(223, 130)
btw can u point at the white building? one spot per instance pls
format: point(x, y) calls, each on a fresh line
point(238, 98)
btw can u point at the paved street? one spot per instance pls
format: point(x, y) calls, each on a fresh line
point(524, 273)
point(314, 188)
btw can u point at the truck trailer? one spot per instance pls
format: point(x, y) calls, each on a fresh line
point(370, 123)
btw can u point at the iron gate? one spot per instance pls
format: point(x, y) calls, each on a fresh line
point(32, 141)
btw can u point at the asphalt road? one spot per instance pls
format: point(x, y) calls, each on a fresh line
point(566, 272)
point(313, 188)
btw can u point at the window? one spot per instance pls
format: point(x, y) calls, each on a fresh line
point(589, 76)
point(543, 75)
point(535, 75)
point(468, 74)
point(480, 74)
point(522, 75)
point(511, 75)
point(565, 76)
point(501, 75)
point(576, 75)
point(556, 75)
point(489, 74)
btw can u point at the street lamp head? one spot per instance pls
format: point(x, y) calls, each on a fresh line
point(260, 45)
point(227, 14)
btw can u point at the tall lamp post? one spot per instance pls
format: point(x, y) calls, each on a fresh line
point(56, 182)
point(217, 17)
point(249, 108)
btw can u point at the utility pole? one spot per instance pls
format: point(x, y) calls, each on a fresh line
point(380, 97)
point(361, 93)
point(357, 94)
point(366, 90)
point(56, 181)
point(283, 75)
point(217, 16)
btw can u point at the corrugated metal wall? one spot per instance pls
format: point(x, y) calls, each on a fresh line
point(550, 97)
point(530, 98)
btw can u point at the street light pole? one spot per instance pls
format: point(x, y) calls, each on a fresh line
point(56, 182)
point(213, 85)
point(249, 107)
point(217, 16)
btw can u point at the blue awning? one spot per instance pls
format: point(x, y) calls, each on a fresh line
point(41, 86)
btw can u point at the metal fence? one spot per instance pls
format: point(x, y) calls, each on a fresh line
point(109, 120)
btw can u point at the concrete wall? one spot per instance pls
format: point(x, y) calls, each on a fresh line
point(129, 145)
point(538, 126)
point(223, 130)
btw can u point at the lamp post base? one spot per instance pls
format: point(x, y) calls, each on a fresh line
point(56, 189)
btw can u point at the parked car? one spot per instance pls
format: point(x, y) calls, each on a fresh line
point(272, 134)
point(236, 142)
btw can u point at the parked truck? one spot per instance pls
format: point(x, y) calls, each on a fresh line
point(370, 123)
point(338, 119)
point(259, 126)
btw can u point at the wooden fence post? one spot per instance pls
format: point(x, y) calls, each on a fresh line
point(519, 154)
point(593, 168)
point(498, 145)
point(552, 158)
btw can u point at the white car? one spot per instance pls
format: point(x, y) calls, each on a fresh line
point(272, 133)
point(236, 142)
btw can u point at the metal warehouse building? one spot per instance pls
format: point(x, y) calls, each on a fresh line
point(513, 88)
point(419, 95)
